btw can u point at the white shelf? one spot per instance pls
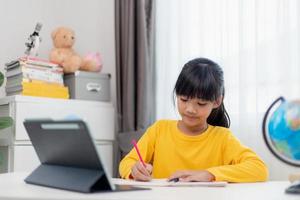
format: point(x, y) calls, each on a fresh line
point(32, 99)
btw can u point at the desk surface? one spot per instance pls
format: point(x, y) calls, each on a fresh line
point(12, 186)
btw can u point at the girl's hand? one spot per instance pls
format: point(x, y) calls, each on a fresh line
point(193, 175)
point(141, 173)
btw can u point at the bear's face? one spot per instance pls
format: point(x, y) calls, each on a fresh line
point(63, 37)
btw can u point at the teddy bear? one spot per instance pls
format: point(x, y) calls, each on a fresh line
point(63, 53)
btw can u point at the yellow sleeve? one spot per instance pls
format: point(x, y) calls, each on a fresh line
point(146, 145)
point(241, 164)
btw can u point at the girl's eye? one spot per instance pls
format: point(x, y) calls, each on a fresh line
point(183, 99)
point(201, 104)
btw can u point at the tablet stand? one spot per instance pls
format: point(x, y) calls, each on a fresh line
point(69, 178)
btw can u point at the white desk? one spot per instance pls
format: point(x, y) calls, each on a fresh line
point(12, 186)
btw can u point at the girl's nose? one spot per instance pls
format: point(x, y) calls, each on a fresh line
point(190, 108)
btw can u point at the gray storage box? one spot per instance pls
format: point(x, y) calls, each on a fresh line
point(88, 85)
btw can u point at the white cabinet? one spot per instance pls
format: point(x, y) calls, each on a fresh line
point(16, 151)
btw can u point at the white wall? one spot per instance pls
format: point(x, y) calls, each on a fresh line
point(92, 21)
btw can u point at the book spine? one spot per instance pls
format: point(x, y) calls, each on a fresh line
point(13, 72)
point(43, 76)
point(38, 61)
point(40, 67)
point(11, 66)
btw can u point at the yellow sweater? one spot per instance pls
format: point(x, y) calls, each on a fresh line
point(216, 150)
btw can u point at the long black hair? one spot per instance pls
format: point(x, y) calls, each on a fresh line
point(203, 79)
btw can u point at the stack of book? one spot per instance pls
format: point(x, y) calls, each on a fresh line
point(35, 77)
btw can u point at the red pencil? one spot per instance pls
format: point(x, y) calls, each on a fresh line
point(138, 152)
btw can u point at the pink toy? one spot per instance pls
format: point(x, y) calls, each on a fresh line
point(96, 60)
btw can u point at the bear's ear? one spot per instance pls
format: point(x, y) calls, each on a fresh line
point(53, 34)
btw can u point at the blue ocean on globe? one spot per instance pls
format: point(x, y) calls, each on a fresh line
point(284, 129)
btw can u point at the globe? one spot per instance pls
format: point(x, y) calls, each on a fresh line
point(281, 130)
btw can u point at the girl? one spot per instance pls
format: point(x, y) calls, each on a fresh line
point(199, 147)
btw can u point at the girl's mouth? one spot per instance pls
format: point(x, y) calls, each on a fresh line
point(190, 118)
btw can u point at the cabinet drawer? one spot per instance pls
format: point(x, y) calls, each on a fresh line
point(25, 158)
point(100, 118)
point(106, 155)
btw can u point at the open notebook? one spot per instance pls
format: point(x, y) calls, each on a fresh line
point(165, 183)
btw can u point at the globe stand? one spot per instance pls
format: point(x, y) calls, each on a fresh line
point(294, 188)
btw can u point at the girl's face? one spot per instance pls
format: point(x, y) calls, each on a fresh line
point(194, 112)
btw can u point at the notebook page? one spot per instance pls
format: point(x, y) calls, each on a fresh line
point(165, 183)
